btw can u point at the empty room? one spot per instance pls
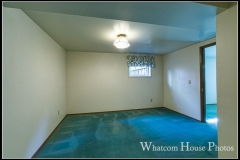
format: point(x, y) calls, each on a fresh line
point(119, 79)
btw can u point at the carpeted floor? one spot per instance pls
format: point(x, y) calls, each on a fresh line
point(211, 114)
point(211, 111)
point(118, 135)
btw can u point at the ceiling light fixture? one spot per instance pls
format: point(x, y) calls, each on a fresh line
point(121, 42)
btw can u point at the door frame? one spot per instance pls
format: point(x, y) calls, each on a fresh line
point(202, 80)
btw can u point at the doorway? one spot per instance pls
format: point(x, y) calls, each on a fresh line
point(208, 90)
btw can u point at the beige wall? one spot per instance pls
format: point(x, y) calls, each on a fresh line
point(227, 54)
point(180, 67)
point(34, 85)
point(99, 82)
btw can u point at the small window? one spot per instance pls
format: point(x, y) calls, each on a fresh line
point(139, 71)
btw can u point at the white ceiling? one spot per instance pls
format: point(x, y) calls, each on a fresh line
point(151, 27)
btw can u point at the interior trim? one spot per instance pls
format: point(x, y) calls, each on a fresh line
point(48, 137)
point(202, 80)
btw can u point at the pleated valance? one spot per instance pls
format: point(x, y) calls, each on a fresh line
point(140, 61)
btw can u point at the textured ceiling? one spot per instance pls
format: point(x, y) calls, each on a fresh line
point(151, 27)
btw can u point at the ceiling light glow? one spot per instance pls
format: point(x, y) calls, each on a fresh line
point(121, 42)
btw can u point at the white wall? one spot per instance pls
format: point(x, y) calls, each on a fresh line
point(210, 80)
point(34, 85)
point(227, 54)
point(180, 67)
point(99, 82)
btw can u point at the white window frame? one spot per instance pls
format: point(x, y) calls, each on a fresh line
point(140, 70)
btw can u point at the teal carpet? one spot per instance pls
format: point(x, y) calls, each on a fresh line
point(211, 114)
point(118, 135)
point(211, 111)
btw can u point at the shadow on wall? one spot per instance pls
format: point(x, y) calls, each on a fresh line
point(39, 135)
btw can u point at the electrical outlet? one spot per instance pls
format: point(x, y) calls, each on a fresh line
point(151, 100)
point(58, 112)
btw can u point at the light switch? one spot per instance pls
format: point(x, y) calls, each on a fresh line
point(189, 81)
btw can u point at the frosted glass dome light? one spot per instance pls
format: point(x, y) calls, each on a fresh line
point(121, 42)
